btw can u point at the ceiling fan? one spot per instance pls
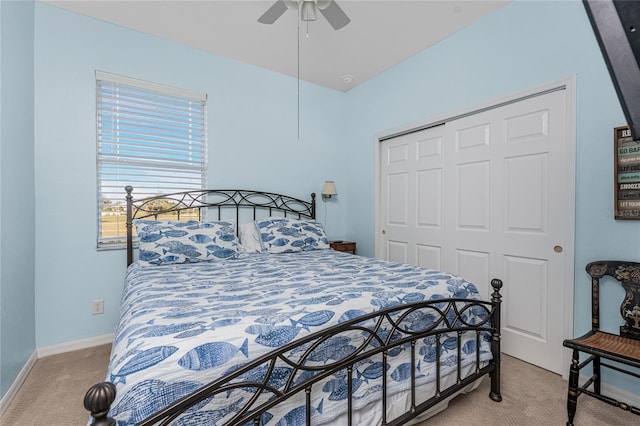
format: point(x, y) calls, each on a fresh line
point(308, 11)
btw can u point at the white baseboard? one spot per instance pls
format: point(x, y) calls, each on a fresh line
point(75, 345)
point(17, 383)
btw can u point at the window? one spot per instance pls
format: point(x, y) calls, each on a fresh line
point(149, 136)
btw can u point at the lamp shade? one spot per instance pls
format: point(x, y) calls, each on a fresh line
point(329, 188)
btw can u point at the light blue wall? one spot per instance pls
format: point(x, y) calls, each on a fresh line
point(253, 144)
point(17, 282)
point(521, 46)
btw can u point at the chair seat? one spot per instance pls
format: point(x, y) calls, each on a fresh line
point(609, 345)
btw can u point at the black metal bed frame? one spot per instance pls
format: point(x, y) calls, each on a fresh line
point(218, 200)
point(382, 331)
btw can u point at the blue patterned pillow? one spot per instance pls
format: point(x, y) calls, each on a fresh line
point(284, 235)
point(166, 241)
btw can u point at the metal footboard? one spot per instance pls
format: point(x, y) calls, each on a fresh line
point(290, 370)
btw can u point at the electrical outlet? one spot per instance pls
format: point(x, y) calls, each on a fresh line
point(97, 307)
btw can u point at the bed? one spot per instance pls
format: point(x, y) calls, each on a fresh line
point(275, 328)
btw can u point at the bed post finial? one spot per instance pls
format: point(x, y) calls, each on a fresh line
point(313, 205)
point(98, 400)
point(129, 199)
point(496, 283)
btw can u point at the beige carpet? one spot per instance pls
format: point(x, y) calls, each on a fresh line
point(52, 395)
point(54, 390)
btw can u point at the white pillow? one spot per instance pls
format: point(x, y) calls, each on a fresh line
point(249, 238)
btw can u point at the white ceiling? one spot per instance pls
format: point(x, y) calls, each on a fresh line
point(380, 35)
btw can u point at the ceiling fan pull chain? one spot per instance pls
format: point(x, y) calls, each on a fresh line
point(298, 37)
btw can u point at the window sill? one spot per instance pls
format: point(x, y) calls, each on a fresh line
point(114, 246)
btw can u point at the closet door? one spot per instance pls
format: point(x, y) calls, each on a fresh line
point(411, 190)
point(488, 195)
point(505, 193)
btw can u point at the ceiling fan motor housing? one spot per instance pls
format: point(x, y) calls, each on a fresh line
point(320, 4)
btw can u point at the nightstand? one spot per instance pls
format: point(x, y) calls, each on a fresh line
point(343, 246)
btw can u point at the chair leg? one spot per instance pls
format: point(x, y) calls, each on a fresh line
point(572, 396)
point(596, 375)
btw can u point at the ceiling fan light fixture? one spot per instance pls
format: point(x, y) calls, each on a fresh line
point(308, 11)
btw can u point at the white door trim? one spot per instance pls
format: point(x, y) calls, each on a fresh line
point(567, 84)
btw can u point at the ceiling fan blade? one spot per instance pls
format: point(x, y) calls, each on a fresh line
point(273, 13)
point(335, 15)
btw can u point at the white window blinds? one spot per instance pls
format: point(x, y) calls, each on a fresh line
point(149, 136)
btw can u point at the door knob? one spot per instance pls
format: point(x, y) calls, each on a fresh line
point(557, 249)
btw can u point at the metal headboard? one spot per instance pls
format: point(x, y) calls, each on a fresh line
point(216, 200)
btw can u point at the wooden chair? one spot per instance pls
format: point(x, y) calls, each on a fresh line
point(602, 346)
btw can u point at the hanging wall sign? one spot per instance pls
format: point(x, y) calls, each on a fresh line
point(627, 174)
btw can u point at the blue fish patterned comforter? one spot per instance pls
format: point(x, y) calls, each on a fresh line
point(183, 326)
